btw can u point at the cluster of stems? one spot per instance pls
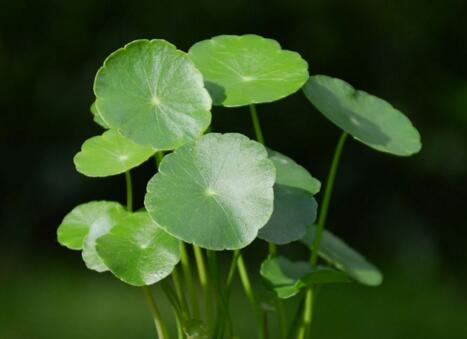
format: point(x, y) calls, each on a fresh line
point(182, 294)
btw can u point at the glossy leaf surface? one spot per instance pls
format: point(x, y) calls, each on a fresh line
point(110, 154)
point(216, 193)
point(153, 94)
point(137, 251)
point(75, 226)
point(366, 117)
point(248, 69)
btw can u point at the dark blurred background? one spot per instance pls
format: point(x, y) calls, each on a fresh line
point(407, 215)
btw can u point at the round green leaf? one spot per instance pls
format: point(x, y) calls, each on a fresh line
point(216, 193)
point(294, 211)
point(248, 69)
point(342, 256)
point(153, 94)
point(367, 118)
point(137, 251)
point(294, 205)
point(97, 117)
point(110, 154)
point(75, 226)
point(289, 173)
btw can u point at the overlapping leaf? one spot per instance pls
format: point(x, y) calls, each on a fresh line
point(294, 205)
point(345, 258)
point(97, 118)
point(367, 118)
point(153, 94)
point(137, 251)
point(110, 154)
point(216, 193)
point(288, 277)
point(248, 69)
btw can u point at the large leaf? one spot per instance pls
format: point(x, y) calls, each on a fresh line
point(97, 117)
point(216, 193)
point(367, 118)
point(153, 94)
point(294, 205)
point(287, 278)
point(345, 258)
point(137, 251)
point(76, 224)
point(248, 69)
point(110, 154)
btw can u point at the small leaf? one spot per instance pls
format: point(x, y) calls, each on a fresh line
point(75, 226)
point(342, 256)
point(367, 118)
point(288, 277)
point(153, 94)
point(294, 205)
point(97, 117)
point(289, 173)
point(248, 69)
point(284, 275)
point(110, 154)
point(294, 211)
point(137, 251)
point(216, 193)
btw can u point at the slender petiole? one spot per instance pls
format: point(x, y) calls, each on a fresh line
point(203, 280)
point(156, 315)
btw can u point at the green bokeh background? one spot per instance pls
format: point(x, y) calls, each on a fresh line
point(407, 215)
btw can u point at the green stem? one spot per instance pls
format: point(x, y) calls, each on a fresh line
point(256, 124)
point(308, 307)
point(203, 280)
point(303, 332)
point(156, 315)
point(327, 198)
point(160, 327)
point(129, 192)
point(188, 275)
point(179, 293)
point(260, 139)
point(244, 278)
point(281, 318)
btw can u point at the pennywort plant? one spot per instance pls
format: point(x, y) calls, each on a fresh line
point(214, 192)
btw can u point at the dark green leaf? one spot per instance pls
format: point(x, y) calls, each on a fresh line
point(367, 118)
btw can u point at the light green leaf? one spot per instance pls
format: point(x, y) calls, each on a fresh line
point(287, 278)
point(75, 226)
point(97, 117)
point(216, 193)
point(153, 94)
point(342, 256)
point(367, 118)
point(137, 251)
point(97, 229)
point(248, 69)
point(294, 211)
point(294, 205)
point(110, 154)
point(291, 174)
